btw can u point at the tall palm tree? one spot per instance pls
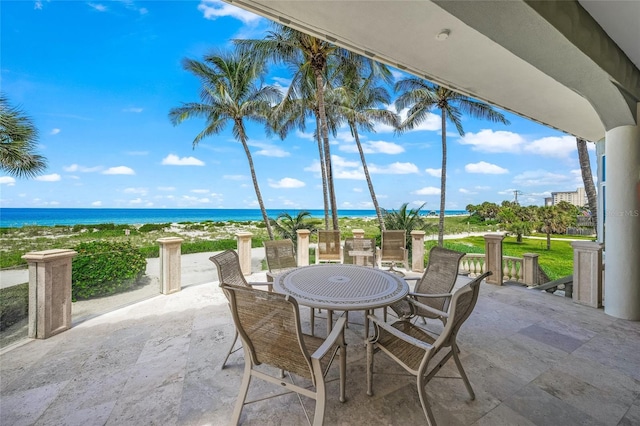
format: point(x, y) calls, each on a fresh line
point(587, 179)
point(286, 226)
point(298, 103)
point(312, 57)
point(420, 97)
point(362, 103)
point(18, 142)
point(230, 94)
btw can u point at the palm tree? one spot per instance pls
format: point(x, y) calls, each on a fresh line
point(420, 97)
point(362, 103)
point(587, 179)
point(230, 95)
point(311, 57)
point(286, 225)
point(298, 103)
point(404, 219)
point(18, 141)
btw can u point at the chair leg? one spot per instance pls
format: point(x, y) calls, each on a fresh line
point(321, 399)
point(343, 371)
point(312, 320)
point(244, 389)
point(235, 338)
point(369, 368)
point(426, 408)
point(465, 379)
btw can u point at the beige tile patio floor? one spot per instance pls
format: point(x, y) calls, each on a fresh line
point(532, 358)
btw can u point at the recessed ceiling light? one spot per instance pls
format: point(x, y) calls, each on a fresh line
point(443, 35)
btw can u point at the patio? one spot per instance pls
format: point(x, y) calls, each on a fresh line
point(532, 358)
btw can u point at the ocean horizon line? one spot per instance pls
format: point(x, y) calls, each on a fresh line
point(17, 217)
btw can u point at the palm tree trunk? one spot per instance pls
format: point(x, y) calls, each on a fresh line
point(327, 150)
point(354, 130)
point(587, 179)
point(443, 180)
point(325, 197)
point(243, 139)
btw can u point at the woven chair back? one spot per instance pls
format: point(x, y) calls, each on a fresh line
point(228, 266)
point(359, 251)
point(462, 304)
point(393, 246)
point(280, 255)
point(329, 245)
point(269, 325)
point(439, 277)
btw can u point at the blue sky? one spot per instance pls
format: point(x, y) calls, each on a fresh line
point(99, 78)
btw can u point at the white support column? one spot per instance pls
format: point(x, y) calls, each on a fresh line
point(493, 257)
point(417, 251)
point(49, 292)
point(170, 264)
point(622, 226)
point(587, 273)
point(244, 251)
point(302, 249)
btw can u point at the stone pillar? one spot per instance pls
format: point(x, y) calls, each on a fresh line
point(621, 214)
point(530, 269)
point(417, 251)
point(49, 292)
point(244, 251)
point(587, 273)
point(170, 264)
point(302, 249)
point(358, 233)
point(493, 257)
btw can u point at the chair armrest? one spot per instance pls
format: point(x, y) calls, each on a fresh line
point(427, 308)
point(399, 334)
point(330, 341)
point(259, 283)
point(431, 295)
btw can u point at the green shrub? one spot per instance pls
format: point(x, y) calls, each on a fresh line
point(102, 268)
point(148, 227)
point(14, 304)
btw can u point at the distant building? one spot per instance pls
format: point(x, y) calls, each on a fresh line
point(577, 198)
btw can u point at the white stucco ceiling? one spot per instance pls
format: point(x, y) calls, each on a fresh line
point(516, 60)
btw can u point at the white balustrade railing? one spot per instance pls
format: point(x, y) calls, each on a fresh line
point(474, 264)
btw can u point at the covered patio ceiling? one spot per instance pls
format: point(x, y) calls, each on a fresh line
point(549, 61)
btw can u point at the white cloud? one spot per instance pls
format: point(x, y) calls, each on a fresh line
point(466, 191)
point(133, 109)
point(174, 160)
point(396, 168)
point(37, 5)
point(434, 172)
point(139, 191)
point(427, 190)
point(489, 141)
point(234, 177)
point(166, 188)
point(543, 177)
point(97, 6)
point(136, 201)
point(213, 9)
point(195, 200)
point(7, 180)
point(485, 168)
point(119, 170)
point(54, 131)
point(357, 189)
point(200, 191)
point(286, 183)
point(54, 177)
point(272, 151)
point(307, 136)
point(77, 168)
point(374, 147)
point(553, 146)
point(96, 203)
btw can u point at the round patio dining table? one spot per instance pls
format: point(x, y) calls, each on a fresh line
point(342, 288)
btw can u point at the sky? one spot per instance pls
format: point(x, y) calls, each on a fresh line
point(99, 78)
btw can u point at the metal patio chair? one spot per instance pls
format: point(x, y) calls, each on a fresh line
point(359, 251)
point(329, 248)
point(269, 326)
point(393, 249)
point(229, 272)
point(413, 348)
point(433, 288)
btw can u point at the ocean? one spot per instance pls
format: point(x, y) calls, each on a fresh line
point(19, 217)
